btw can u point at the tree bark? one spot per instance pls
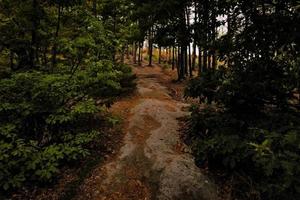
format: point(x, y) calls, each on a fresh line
point(134, 53)
point(190, 61)
point(170, 55)
point(54, 48)
point(173, 58)
point(150, 47)
point(205, 38)
point(95, 8)
point(33, 46)
point(214, 36)
point(194, 39)
point(200, 62)
point(189, 45)
point(139, 55)
point(159, 55)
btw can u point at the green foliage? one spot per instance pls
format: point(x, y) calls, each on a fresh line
point(47, 119)
point(207, 86)
point(261, 149)
point(59, 73)
point(249, 129)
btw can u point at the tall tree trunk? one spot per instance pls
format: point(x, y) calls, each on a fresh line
point(190, 61)
point(173, 58)
point(134, 52)
point(194, 56)
point(179, 63)
point(194, 39)
point(150, 47)
point(186, 66)
point(182, 63)
point(209, 59)
point(142, 47)
point(177, 56)
point(159, 55)
point(200, 62)
point(132, 49)
point(54, 48)
point(205, 38)
point(189, 45)
point(214, 36)
point(127, 51)
point(95, 8)
point(139, 55)
point(229, 34)
point(204, 66)
point(170, 55)
point(33, 48)
point(214, 60)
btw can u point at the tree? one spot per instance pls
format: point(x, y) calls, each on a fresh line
point(253, 95)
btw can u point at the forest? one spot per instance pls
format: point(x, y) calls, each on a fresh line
point(86, 85)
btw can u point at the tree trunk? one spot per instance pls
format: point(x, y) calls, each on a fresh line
point(204, 66)
point(189, 45)
point(179, 64)
point(173, 58)
point(95, 8)
point(159, 55)
point(186, 70)
point(190, 61)
point(142, 46)
point(139, 56)
point(200, 61)
point(182, 63)
point(214, 36)
point(134, 53)
point(194, 39)
point(54, 48)
point(170, 55)
point(209, 59)
point(150, 47)
point(33, 47)
point(194, 56)
point(205, 38)
point(229, 34)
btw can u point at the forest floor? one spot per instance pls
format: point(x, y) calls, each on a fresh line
point(152, 162)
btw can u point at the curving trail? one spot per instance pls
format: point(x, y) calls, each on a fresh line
point(152, 163)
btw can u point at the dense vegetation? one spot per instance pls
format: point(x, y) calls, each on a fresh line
point(62, 64)
point(59, 72)
point(249, 129)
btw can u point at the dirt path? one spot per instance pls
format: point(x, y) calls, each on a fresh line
point(152, 163)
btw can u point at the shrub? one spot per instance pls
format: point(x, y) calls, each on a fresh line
point(265, 151)
point(250, 127)
point(47, 120)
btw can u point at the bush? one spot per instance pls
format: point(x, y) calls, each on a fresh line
point(47, 120)
point(250, 127)
point(264, 151)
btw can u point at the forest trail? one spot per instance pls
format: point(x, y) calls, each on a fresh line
point(152, 163)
